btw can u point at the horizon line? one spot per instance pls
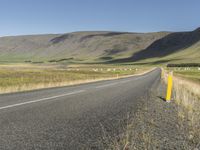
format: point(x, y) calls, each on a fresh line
point(68, 32)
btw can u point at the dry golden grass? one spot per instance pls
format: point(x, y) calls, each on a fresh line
point(14, 78)
point(186, 94)
point(141, 130)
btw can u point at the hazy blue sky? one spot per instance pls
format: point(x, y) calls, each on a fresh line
point(59, 16)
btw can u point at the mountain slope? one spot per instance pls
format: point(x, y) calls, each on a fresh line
point(111, 47)
point(170, 44)
point(88, 46)
point(174, 47)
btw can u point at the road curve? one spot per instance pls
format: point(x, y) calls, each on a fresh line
point(74, 117)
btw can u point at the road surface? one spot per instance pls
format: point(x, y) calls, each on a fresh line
point(74, 117)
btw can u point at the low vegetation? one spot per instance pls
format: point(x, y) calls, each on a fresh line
point(184, 65)
point(192, 74)
point(186, 94)
point(27, 77)
point(161, 125)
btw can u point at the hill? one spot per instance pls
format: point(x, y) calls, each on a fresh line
point(79, 46)
point(111, 47)
point(174, 47)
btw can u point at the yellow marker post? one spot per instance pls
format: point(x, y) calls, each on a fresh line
point(169, 87)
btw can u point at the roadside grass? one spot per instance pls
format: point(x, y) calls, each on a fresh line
point(142, 131)
point(192, 74)
point(186, 94)
point(22, 77)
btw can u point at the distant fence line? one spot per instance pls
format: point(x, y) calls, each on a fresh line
point(184, 65)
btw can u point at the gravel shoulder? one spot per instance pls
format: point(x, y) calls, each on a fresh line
point(156, 125)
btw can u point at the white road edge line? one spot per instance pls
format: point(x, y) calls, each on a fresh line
point(106, 85)
point(125, 81)
point(111, 84)
point(42, 99)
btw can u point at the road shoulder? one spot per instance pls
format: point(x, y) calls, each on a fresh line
point(156, 125)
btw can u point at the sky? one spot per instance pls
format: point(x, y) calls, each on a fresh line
point(22, 17)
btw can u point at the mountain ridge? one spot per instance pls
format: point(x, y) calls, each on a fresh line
point(96, 46)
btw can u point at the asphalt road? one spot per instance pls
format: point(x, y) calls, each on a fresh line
point(74, 117)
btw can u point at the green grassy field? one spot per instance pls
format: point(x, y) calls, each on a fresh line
point(188, 73)
point(20, 77)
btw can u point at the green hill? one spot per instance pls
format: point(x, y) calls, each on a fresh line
point(99, 47)
point(179, 47)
